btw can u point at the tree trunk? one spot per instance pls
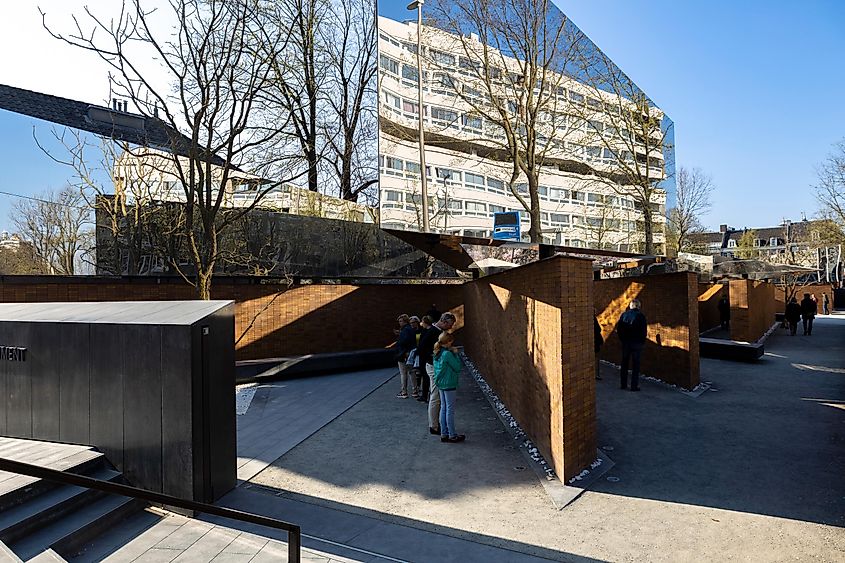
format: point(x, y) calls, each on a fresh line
point(535, 231)
point(203, 287)
point(648, 230)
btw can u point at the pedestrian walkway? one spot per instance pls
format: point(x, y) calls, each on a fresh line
point(749, 470)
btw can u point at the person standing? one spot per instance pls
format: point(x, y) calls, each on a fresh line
point(404, 345)
point(426, 353)
point(792, 315)
point(724, 312)
point(631, 328)
point(825, 304)
point(447, 370)
point(413, 362)
point(809, 308)
point(598, 341)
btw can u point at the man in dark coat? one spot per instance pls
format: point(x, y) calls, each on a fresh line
point(632, 328)
point(724, 312)
point(793, 315)
point(809, 308)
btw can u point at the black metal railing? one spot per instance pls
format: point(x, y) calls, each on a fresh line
point(293, 531)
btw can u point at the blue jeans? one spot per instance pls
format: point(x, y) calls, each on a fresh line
point(447, 413)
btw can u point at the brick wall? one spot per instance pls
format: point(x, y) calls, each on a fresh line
point(544, 308)
point(670, 303)
point(270, 320)
point(753, 309)
point(816, 289)
point(709, 295)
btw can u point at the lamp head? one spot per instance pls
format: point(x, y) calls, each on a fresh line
point(415, 4)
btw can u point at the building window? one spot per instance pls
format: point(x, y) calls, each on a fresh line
point(412, 168)
point(392, 199)
point(468, 65)
point(496, 209)
point(389, 64)
point(595, 125)
point(474, 180)
point(409, 73)
point(576, 97)
point(392, 100)
point(475, 208)
point(394, 165)
point(442, 58)
point(731, 243)
point(448, 175)
point(472, 122)
point(559, 219)
point(455, 205)
point(444, 84)
point(594, 199)
point(473, 233)
point(558, 194)
point(410, 107)
point(495, 185)
point(443, 114)
point(774, 241)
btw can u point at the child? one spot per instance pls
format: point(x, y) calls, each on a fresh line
point(447, 367)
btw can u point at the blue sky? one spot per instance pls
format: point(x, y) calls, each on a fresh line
point(755, 89)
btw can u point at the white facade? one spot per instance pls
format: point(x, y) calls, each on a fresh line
point(152, 176)
point(466, 189)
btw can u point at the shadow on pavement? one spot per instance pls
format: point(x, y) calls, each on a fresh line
point(765, 440)
point(367, 535)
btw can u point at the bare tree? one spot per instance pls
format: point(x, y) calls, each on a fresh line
point(351, 50)
point(694, 188)
point(122, 190)
point(299, 76)
point(217, 78)
point(514, 58)
point(830, 190)
point(56, 225)
point(627, 133)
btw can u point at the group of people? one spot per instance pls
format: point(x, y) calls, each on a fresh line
point(805, 311)
point(429, 361)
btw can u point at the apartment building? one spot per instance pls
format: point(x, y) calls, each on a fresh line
point(465, 186)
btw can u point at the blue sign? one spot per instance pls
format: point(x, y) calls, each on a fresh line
point(506, 225)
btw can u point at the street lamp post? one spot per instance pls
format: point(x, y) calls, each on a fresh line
point(417, 5)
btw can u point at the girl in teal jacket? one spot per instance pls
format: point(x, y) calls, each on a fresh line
point(447, 368)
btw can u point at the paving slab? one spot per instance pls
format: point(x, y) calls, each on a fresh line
point(282, 414)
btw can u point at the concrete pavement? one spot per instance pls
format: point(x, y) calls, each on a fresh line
point(751, 470)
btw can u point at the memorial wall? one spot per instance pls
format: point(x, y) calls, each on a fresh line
point(150, 384)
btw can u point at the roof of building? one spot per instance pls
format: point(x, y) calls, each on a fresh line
point(102, 121)
point(125, 312)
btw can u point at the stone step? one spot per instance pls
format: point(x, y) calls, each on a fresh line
point(42, 509)
point(68, 534)
point(18, 489)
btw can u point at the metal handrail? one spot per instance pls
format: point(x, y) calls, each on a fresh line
point(294, 532)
